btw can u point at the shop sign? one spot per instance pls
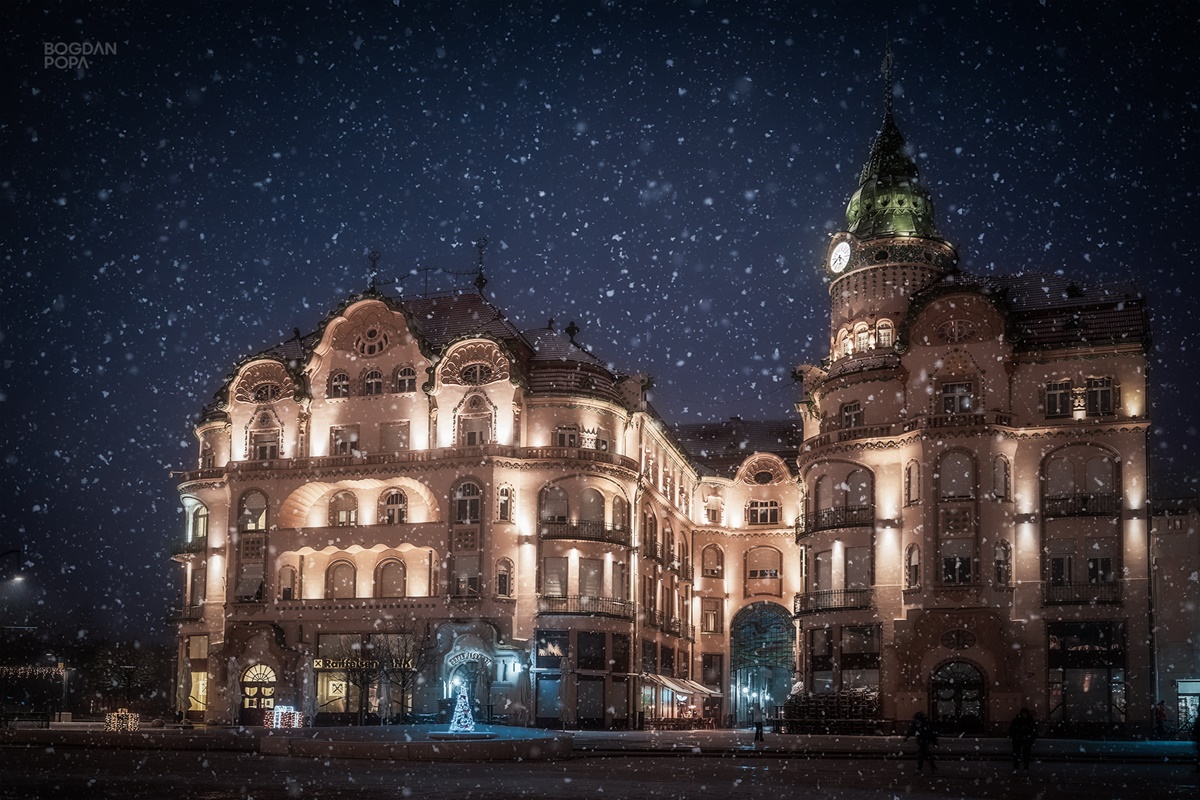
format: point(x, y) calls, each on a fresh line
point(344, 663)
point(469, 655)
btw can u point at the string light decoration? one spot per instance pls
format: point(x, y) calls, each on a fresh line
point(32, 672)
point(284, 717)
point(463, 722)
point(122, 720)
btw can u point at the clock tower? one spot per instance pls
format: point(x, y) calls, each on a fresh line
point(889, 250)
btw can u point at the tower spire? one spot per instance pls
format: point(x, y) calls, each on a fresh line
point(889, 83)
point(480, 281)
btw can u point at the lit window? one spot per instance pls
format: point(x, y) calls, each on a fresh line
point(199, 523)
point(710, 615)
point(861, 340)
point(885, 334)
point(373, 383)
point(763, 512)
point(343, 510)
point(467, 502)
point(847, 345)
point(957, 398)
point(395, 508)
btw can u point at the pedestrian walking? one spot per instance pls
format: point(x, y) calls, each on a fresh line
point(756, 716)
point(1160, 720)
point(1022, 731)
point(922, 728)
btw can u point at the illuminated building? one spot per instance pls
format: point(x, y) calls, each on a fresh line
point(955, 521)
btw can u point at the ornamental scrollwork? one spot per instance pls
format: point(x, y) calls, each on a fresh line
point(264, 382)
point(475, 364)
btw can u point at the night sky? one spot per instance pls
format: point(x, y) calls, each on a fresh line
point(665, 175)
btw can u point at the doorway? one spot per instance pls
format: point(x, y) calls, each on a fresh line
point(258, 694)
point(957, 694)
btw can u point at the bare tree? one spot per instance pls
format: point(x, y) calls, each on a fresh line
point(404, 654)
point(359, 668)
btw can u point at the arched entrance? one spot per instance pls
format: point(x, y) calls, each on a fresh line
point(956, 693)
point(258, 694)
point(762, 659)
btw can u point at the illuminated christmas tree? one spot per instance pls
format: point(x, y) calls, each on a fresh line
point(463, 722)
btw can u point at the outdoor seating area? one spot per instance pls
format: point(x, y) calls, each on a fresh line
point(854, 712)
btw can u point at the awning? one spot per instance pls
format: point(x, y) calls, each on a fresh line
point(699, 688)
point(676, 686)
point(249, 580)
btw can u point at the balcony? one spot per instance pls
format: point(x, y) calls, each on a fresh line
point(186, 614)
point(1081, 594)
point(584, 605)
point(1082, 504)
point(585, 530)
point(356, 461)
point(684, 570)
point(830, 518)
point(183, 547)
point(651, 549)
point(833, 600)
point(978, 420)
point(676, 627)
point(652, 618)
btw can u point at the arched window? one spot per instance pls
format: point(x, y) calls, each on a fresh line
point(712, 562)
point(650, 532)
point(885, 334)
point(1098, 475)
point(1060, 477)
point(762, 512)
point(391, 579)
point(764, 570)
point(554, 504)
point(199, 526)
point(287, 583)
point(467, 500)
point(252, 514)
point(862, 339)
point(591, 506)
point(668, 538)
point(343, 510)
point(504, 499)
point(912, 567)
point(847, 344)
point(956, 477)
point(858, 489)
point(339, 580)
point(504, 578)
point(406, 380)
point(373, 383)
point(822, 498)
point(620, 513)
point(1003, 563)
point(339, 384)
point(395, 508)
point(1001, 478)
point(912, 484)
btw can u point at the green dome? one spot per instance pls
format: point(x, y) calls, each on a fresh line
point(890, 200)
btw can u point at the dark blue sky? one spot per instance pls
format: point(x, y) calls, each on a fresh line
point(665, 175)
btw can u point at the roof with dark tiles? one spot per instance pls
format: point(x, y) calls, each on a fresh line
point(722, 447)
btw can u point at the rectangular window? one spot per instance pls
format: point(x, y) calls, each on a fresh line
point(552, 648)
point(554, 576)
point(620, 583)
point(197, 646)
point(820, 644)
point(957, 558)
point(712, 666)
point(852, 415)
point(465, 581)
point(590, 649)
point(474, 431)
point(710, 615)
point(566, 437)
point(858, 567)
point(1100, 570)
point(823, 571)
point(343, 441)
point(620, 654)
point(1058, 399)
point(199, 586)
point(266, 445)
point(957, 398)
point(649, 657)
point(393, 437)
point(860, 657)
point(713, 515)
point(1100, 397)
point(763, 512)
point(591, 577)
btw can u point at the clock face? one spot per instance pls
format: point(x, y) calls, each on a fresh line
point(840, 257)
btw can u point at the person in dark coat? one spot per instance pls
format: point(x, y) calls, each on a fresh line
point(926, 737)
point(1196, 739)
point(1022, 731)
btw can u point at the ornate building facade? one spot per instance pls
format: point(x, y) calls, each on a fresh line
point(954, 521)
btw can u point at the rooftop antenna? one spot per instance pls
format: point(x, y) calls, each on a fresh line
point(480, 280)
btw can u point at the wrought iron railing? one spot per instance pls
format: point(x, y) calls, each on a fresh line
point(1082, 504)
point(841, 517)
point(583, 604)
point(832, 600)
point(181, 547)
point(1081, 594)
point(587, 530)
